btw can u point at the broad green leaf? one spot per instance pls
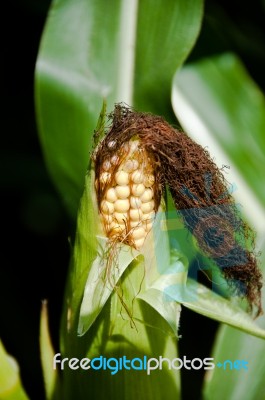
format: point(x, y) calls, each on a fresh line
point(233, 384)
point(234, 345)
point(10, 384)
point(220, 106)
point(94, 50)
point(50, 375)
point(166, 32)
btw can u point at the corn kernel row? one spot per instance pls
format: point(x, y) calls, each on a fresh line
point(127, 208)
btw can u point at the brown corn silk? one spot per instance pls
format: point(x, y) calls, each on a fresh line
point(186, 168)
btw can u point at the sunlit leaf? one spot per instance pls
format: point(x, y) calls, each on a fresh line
point(92, 50)
point(234, 345)
point(246, 384)
point(220, 106)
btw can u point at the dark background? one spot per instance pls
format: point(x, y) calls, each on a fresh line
point(35, 226)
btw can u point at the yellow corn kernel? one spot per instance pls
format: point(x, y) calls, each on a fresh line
point(122, 192)
point(147, 207)
point(149, 226)
point(138, 232)
point(135, 202)
point(107, 207)
point(135, 215)
point(147, 195)
point(121, 205)
point(138, 189)
point(137, 176)
point(111, 195)
point(149, 217)
point(121, 218)
point(122, 178)
point(134, 224)
point(139, 242)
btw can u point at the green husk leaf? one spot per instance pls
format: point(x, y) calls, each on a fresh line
point(155, 294)
point(98, 288)
point(84, 253)
point(157, 261)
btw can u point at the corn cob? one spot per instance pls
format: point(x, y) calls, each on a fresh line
point(139, 156)
point(126, 186)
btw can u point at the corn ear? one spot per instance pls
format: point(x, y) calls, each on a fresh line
point(114, 320)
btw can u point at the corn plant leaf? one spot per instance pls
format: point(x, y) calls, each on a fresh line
point(94, 50)
point(226, 109)
point(204, 301)
point(220, 106)
point(176, 287)
point(10, 384)
point(246, 384)
point(234, 345)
